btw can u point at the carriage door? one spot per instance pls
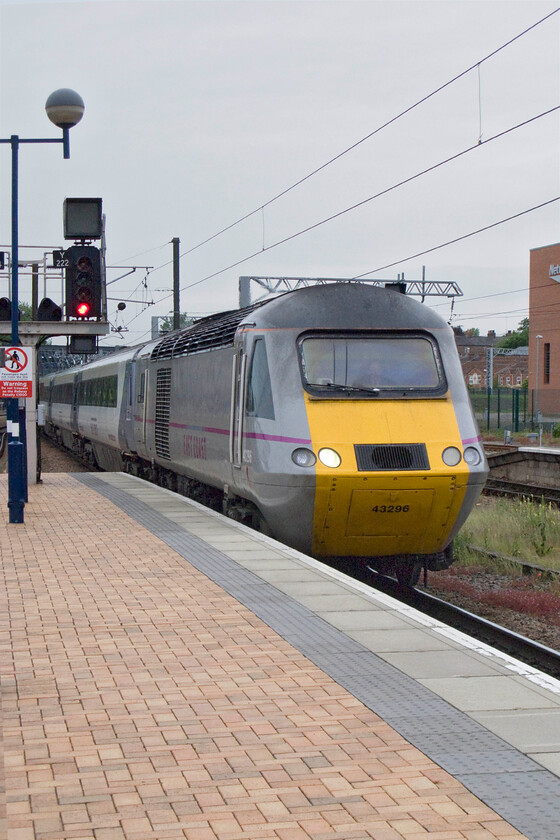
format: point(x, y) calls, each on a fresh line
point(140, 397)
point(75, 402)
point(239, 372)
point(126, 418)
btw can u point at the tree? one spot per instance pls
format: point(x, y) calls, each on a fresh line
point(472, 332)
point(25, 311)
point(518, 338)
point(166, 324)
point(25, 314)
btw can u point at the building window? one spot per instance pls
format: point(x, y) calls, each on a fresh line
point(474, 379)
point(547, 363)
point(519, 380)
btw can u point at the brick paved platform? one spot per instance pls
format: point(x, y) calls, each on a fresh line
point(140, 700)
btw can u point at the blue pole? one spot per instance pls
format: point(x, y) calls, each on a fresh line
point(14, 140)
point(65, 109)
point(17, 492)
point(65, 142)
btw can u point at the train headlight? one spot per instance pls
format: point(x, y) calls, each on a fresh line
point(329, 458)
point(472, 456)
point(303, 457)
point(451, 456)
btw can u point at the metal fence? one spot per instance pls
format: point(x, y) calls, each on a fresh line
point(515, 409)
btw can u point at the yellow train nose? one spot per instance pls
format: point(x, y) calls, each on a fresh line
point(381, 515)
point(392, 491)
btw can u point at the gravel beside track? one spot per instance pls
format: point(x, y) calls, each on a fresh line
point(53, 459)
point(542, 630)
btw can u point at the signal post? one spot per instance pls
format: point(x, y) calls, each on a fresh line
point(85, 317)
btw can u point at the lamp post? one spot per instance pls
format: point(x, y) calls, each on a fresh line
point(537, 381)
point(65, 109)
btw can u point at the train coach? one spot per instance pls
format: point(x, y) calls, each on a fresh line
point(334, 418)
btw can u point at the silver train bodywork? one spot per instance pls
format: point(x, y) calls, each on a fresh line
point(243, 411)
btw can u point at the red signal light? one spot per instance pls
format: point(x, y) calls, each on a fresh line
point(83, 309)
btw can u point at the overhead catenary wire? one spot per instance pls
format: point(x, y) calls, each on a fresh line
point(377, 195)
point(335, 158)
point(465, 300)
point(480, 142)
point(552, 308)
point(536, 310)
point(399, 261)
point(458, 238)
point(430, 250)
point(508, 292)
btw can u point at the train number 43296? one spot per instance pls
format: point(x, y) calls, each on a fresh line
point(391, 509)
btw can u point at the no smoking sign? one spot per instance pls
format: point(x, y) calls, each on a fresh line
point(16, 377)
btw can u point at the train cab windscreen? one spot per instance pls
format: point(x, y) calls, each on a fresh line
point(371, 364)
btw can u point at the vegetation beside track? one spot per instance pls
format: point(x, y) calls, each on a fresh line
point(509, 582)
point(515, 528)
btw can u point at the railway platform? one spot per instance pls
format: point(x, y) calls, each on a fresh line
point(166, 673)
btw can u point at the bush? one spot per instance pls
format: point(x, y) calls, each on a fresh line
point(556, 431)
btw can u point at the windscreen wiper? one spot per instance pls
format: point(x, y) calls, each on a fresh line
point(359, 389)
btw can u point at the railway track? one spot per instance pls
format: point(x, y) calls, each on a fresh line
point(532, 653)
point(519, 490)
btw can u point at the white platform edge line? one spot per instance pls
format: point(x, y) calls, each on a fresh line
point(514, 665)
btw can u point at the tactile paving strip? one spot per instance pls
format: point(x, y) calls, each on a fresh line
point(513, 785)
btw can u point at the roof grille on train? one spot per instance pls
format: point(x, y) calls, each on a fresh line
point(206, 334)
point(391, 456)
point(163, 406)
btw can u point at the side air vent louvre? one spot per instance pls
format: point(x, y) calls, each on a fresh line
point(163, 406)
point(391, 457)
point(206, 334)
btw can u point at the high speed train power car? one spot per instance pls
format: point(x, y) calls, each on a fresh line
point(334, 418)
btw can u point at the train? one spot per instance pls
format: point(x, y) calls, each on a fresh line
point(334, 418)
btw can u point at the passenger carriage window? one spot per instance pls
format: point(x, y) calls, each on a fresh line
point(371, 364)
point(259, 390)
point(113, 392)
point(101, 391)
point(62, 393)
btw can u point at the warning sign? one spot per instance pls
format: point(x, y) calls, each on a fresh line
point(16, 377)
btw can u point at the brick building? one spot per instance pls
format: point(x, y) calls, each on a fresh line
point(544, 328)
point(510, 370)
point(472, 351)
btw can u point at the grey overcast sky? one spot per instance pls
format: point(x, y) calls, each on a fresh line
point(198, 113)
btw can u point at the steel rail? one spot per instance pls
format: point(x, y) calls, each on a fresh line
point(532, 653)
point(520, 490)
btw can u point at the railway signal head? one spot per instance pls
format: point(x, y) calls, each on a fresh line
point(49, 311)
point(5, 309)
point(83, 282)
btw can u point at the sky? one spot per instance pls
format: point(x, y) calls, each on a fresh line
point(199, 114)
